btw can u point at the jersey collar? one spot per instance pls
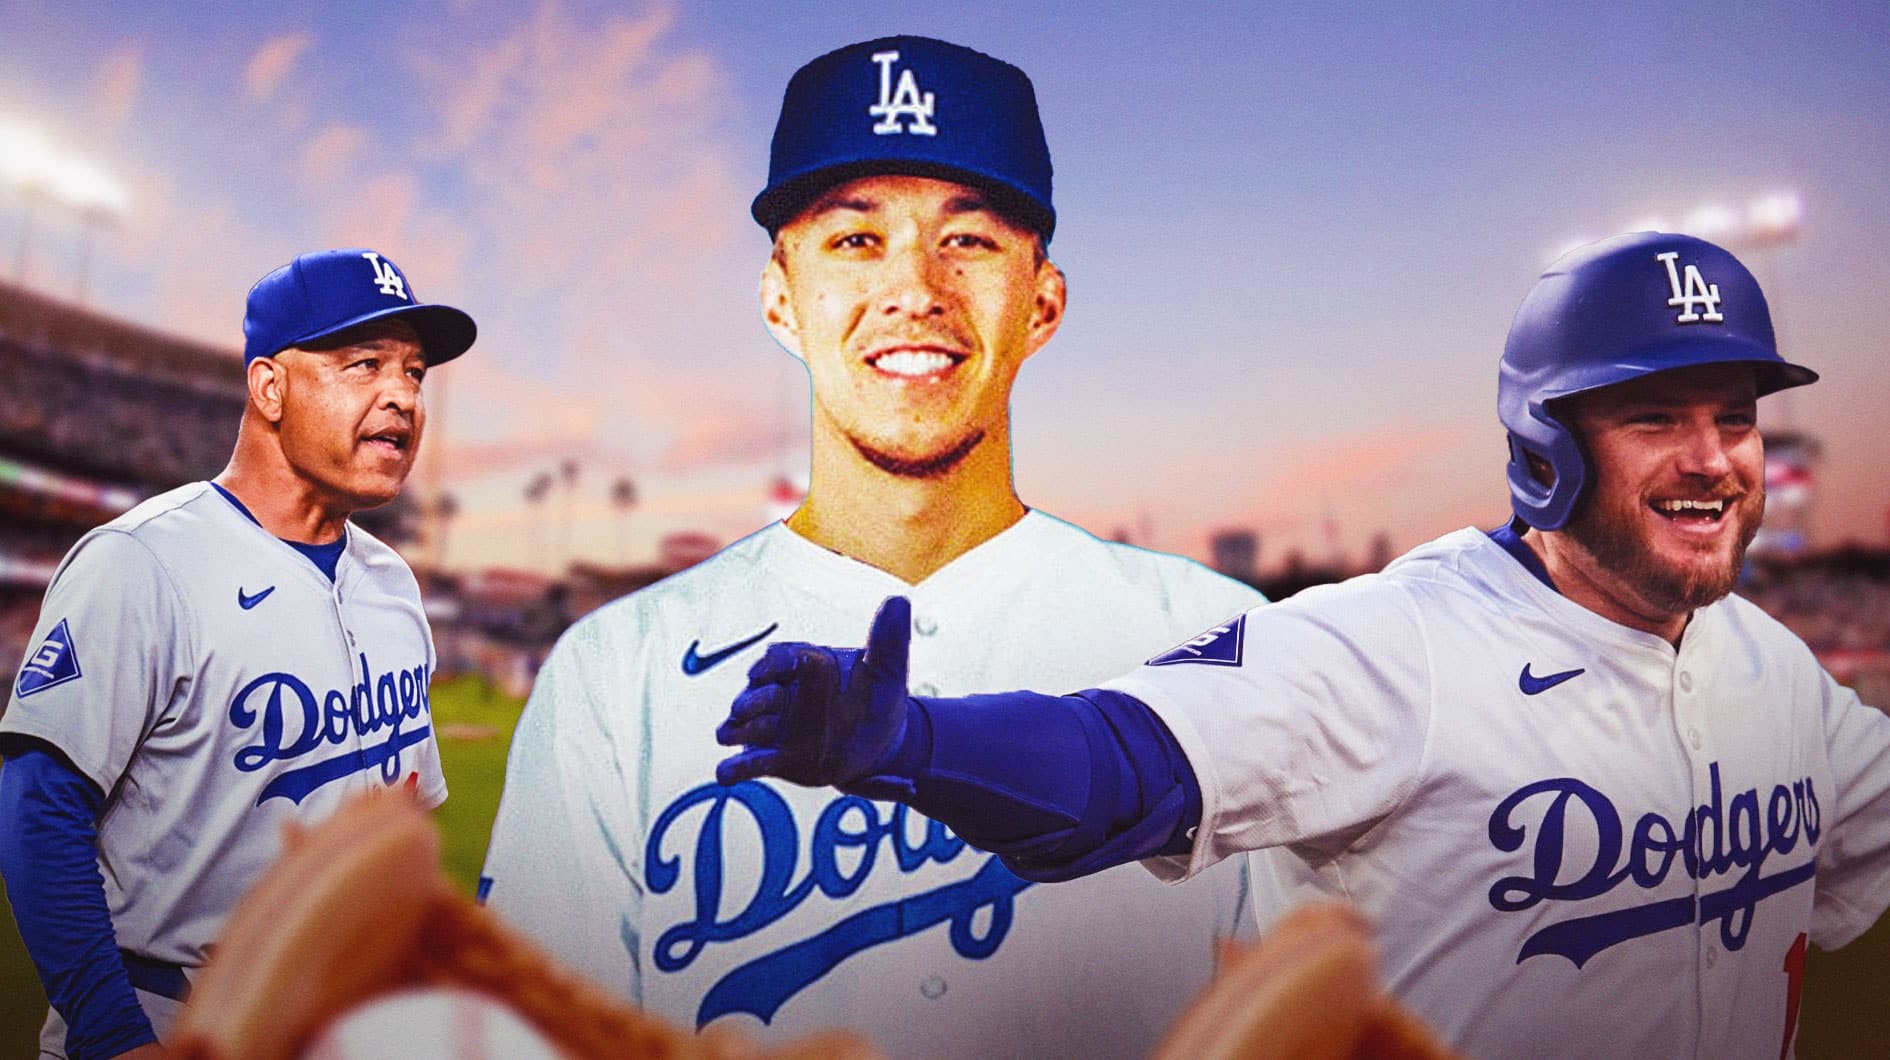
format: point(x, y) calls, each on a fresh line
point(326, 557)
point(1512, 542)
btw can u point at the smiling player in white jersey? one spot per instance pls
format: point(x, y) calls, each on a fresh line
point(225, 658)
point(909, 198)
point(1595, 805)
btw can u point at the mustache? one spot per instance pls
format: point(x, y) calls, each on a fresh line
point(1724, 489)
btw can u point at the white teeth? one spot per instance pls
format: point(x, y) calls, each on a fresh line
point(912, 362)
point(1681, 506)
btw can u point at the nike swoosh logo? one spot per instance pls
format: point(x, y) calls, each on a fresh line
point(1532, 685)
point(693, 664)
point(247, 601)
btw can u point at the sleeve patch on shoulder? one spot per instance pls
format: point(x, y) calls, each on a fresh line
point(1220, 646)
point(54, 663)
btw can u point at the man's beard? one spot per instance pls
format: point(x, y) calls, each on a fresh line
point(1614, 539)
point(931, 466)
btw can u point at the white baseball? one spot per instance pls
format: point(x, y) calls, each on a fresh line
point(431, 1023)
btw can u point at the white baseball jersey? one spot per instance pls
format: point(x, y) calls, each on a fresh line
point(1574, 838)
point(802, 909)
point(215, 684)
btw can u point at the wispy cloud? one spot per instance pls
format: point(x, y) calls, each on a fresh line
point(331, 154)
point(116, 90)
point(273, 62)
point(596, 145)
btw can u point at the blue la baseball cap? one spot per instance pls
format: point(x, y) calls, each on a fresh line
point(319, 294)
point(909, 105)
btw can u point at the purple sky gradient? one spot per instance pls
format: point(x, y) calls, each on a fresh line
point(1295, 237)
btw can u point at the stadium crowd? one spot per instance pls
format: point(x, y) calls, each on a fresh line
point(102, 417)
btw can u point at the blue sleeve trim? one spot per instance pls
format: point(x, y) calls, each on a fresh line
point(1059, 786)
point(49, 858)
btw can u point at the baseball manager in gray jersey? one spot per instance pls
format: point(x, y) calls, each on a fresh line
point(224, 658)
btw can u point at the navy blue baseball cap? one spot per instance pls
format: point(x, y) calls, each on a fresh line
point(909, 105)
point(329, 291)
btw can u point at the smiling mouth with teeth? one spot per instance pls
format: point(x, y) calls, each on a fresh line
point(914, 363)
point(397, 441)
point(1692, 511)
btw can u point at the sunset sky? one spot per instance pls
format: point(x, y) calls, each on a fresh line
point(1295, 234)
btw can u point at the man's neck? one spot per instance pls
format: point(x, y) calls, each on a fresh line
point(282, 502)
point(1576, 577)
point(909, 527)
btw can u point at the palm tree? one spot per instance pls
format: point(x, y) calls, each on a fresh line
point(444, 509)
point(535, 492)
point(568, 475)
point(623, 497)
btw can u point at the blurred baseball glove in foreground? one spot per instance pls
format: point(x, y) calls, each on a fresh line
point(1307, 991)
point(357, 910)
point(355, 944)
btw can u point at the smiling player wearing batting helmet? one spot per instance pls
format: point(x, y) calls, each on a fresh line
point(224, 658)
point(1596, 805)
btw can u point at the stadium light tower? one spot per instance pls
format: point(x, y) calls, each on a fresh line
point(39, 170)
point(1766, 224)
point(1773, 219)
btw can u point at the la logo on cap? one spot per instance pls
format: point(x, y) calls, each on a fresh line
point(905, 101)
point(385, 277)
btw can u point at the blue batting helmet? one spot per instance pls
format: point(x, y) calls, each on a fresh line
point(1614, 311)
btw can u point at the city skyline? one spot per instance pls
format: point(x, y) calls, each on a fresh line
point(1295, 238)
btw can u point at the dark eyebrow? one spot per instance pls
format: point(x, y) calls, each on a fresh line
point(832, 202)
point(970, 202)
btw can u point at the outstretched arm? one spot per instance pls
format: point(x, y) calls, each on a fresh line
point(1059, 786)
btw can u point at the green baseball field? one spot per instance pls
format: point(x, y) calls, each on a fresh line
point(1844, 1014)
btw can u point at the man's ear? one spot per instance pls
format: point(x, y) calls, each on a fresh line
point(1051, 298)
point(267, 379)
point(777, 308)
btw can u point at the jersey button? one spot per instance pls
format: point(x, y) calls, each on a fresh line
point(1712, 956)
point(924, 625)
point(933, 987)
point(1686, 681)
point(925, 688)
point(1693, 737)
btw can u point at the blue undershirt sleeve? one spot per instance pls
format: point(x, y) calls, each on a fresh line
point(1058, 786)
point(49, 859)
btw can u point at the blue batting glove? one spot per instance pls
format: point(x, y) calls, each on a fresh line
point(822, 716)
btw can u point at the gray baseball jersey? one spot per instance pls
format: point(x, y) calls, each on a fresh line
point(1573, 837)
point(784, 909)
point(214, 684)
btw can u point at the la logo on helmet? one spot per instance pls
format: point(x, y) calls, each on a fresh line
point(1697, 295)
point(904, 102)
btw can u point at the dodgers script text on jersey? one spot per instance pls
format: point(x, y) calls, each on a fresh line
point(786, 909)
point(1590, 819)
point(182, 624)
